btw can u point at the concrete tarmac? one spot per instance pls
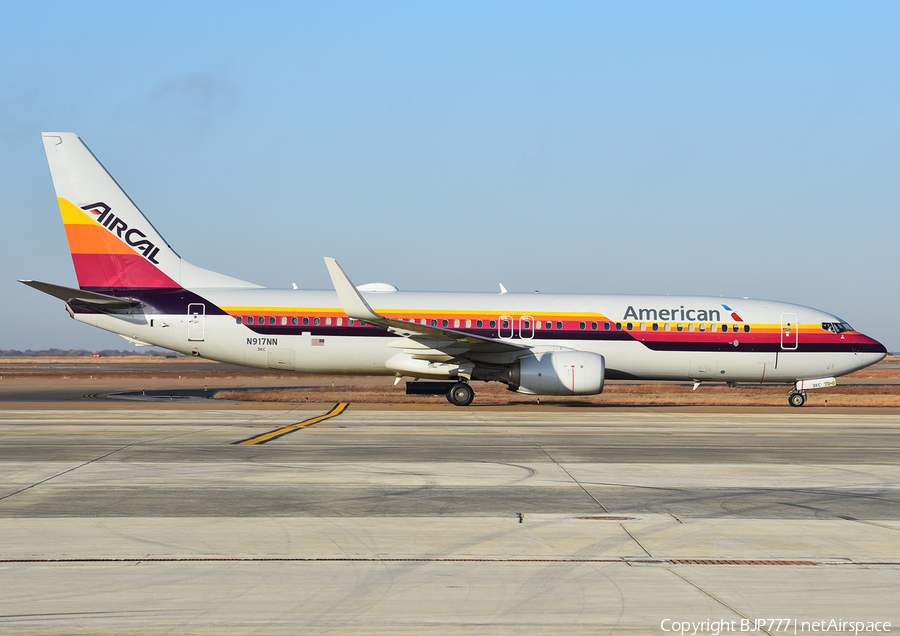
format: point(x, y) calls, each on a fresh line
point(132, 517)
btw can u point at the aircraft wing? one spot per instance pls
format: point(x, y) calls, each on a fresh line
point(82, 297)
point(452, 342)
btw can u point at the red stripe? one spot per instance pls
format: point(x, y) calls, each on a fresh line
point(119, 270)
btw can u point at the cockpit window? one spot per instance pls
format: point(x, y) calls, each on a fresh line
point(836, 327)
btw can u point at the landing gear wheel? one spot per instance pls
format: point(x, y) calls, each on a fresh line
point(460, 394)
point(797, 399)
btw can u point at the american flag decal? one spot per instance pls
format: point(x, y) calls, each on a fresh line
point(318, 342)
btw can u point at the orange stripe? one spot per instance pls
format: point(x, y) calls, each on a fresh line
point(94, 239)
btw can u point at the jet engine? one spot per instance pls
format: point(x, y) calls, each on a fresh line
point(558, 373)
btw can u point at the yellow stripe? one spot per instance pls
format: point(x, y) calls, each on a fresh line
point(396, 313)
point(72, 215)
point(266, 437)
point(318, 311)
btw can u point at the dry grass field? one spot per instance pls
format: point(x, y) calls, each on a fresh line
point(614, 393)
point(864, 388)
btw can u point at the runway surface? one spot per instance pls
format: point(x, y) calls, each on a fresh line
point(133, 517)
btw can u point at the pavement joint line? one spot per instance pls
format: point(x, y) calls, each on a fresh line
point(714, 597)
point(633, 538)
point(580, 485)
point(665, 562)
point(336, 410)
point(83, 464)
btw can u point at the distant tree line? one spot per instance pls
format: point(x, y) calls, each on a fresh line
point(60, 353)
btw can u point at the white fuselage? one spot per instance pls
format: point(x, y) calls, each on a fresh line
point(772, 341)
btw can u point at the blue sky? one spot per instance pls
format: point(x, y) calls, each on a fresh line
point(735, 149)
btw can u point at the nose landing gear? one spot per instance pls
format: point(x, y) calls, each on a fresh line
point(797, 398)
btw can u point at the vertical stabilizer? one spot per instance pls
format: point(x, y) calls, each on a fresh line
point(113, 244)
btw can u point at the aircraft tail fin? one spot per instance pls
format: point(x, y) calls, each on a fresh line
point(113, 244)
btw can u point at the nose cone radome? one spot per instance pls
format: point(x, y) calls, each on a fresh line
point(871, 350)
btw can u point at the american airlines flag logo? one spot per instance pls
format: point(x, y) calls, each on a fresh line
point(733, 314)
point(318, 342)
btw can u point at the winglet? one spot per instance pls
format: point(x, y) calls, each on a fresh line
point(355, 306)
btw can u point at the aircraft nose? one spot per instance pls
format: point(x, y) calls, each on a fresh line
point(873, 351)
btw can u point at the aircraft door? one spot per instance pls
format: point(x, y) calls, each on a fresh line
point(789, 331)
point(196, 321)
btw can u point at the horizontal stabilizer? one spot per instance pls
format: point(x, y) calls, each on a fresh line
point(82, 297)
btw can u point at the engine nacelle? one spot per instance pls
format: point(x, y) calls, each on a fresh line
point(559, 373)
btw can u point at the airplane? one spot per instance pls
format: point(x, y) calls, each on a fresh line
point(132, 282)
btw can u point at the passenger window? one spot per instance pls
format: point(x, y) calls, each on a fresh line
point(468, 323)
point(505, 324)
point(493, 324)
point(261, 320)
point(629, 326)
point(328, 322)
point(559, 324)
point(548, 325)
point(691, 327)
point(735, 328)
point(283, 320)
point(423, 322)
point(594, 326)
point(679, 327)
point(249, 320)
point(581, 325)
point(746, 328)
point(294, 320)
point(526, 324)
point(702, 326)
point(305, 321)
point(724, 328)
point(350, 322)
point(455, 322)
point(618, 326)
point(668, 327)
point(271, 320)
point(643, 326)
point(655, 326)
point(606, 326)
point(712, 327)
point(317, 322)
point(239, 320)
point(479, 324)
point(338, 322)
point(445, 323)
point(434, 322)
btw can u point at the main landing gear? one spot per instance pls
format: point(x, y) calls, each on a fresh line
point(797, 398)
point(460, 394)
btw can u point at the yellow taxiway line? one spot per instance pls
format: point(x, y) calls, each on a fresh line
point(268, 437)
